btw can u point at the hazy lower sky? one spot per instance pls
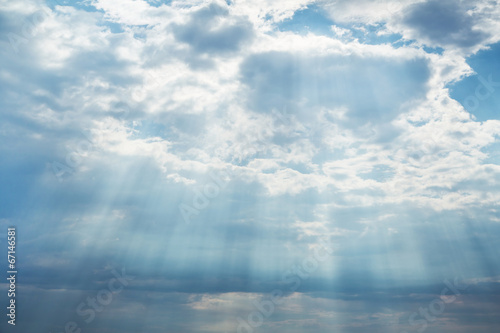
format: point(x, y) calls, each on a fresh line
point(251, 166)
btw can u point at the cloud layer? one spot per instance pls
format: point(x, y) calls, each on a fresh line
point(210, 148)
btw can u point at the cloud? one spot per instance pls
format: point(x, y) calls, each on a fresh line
point(463, 27)
point(208, 31)
point(307, 82)
point(445, 23)
point(355, 140)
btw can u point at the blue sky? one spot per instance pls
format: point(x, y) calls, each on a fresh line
point(252, 166)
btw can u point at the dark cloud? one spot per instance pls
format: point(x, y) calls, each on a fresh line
point(374, 90)
point(204, 35)
point(445, 23)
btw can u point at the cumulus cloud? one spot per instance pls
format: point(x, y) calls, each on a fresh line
point(445, 23)
point(206, 31)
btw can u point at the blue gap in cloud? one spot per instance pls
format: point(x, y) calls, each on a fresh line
point(314, 19)
point(483, 101)
point(158, 3)
point(148, 129)
point(493, 152)
point(78, 4)
point(311, 19)
point(113, 27)
point(436, 50)
point(84, 5)
point(368, 34)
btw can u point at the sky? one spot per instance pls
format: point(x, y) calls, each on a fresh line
point(251, 166)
